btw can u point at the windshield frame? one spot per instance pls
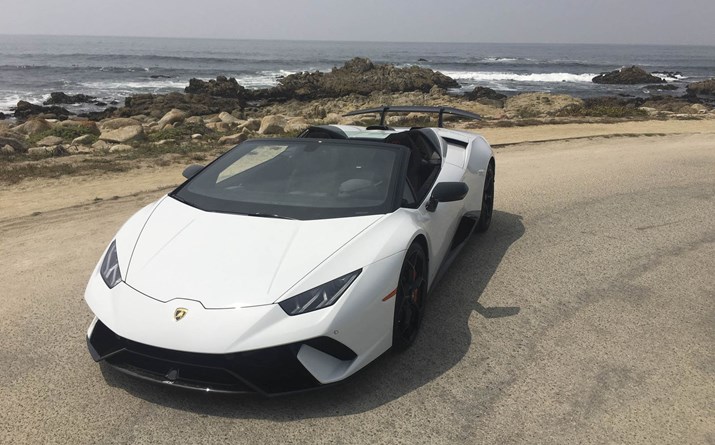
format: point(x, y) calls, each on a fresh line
point(211, 204)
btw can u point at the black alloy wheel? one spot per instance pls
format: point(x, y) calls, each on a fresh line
point(410, 301)
point(485, 216)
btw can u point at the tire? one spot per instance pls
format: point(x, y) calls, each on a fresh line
point(410, 301)
point(485, 216)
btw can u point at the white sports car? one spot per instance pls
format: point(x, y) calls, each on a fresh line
point(288, 264)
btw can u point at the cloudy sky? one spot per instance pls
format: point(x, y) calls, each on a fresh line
point(538, 21)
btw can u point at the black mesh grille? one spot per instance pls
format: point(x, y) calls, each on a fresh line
point(271, 371)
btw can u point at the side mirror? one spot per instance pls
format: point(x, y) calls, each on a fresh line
point(446, 192)
point(192, 170)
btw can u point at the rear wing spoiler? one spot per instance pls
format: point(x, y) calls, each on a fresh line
point(416, 109)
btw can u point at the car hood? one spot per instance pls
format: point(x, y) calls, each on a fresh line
point(227, 261)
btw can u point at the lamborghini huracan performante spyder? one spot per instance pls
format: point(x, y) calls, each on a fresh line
point(288, 264)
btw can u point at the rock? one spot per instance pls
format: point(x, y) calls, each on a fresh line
point(99, 115)
point(229, 118)
point(124, 134)
point(2, 116)
point(437, 91)
point(422, 59)
point(33, 126)
point(101, 145)
point(194, 120)
point(119, 148)
point(699, 109)
point(484, 93)
point(39, 152)
point(120, 122)
point(159, 76)
point(157, 105)
point(16, 144)
point(7, 150)
point(221, 87)
point(197, 136)
point(486, 96)
point(57, 150)
point(703, 88)
point(87, 125)
point(251, 124)
point(25, 109)
point(50, 141)
point(84, 139)
point(296, 125)
point(172, 117)
point(221, 127)
point(273, 124)
point(233, 139)
point(661, 87)
point(627, 76)
point(58, 98)
point(358, 76)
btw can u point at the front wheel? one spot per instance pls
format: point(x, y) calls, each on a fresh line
point(485, 216)
point(410, 301)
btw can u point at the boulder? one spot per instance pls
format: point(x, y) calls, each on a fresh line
point(84, 139)
point(39, 152)
point(251, 124)
point(2, 116)
point(157, 105)
point(56, 150)
point(16, 144)
point(194, 120)
point(58, 98)
point(99, 115)
point(197, 136)
point(221, 127)
point(233, 139)
point(7, 150)
point(50, 141)
point(273, 124)
point(33, 126)
point(229, 118)
point(25, 109)
point(172, 117)
point(101, 145)
point(358, 76)
point(220, 87)
point(124, 134)
point(628, 76)
point(703, 88)
point(120, 122)
point(484, 93)
point(87, 125)
point(296, 125)
point(119, 148)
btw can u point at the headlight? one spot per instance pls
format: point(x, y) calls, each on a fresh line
point(110, 267)
point(319, 297)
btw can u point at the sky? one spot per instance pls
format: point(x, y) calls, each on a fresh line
point(508, 21)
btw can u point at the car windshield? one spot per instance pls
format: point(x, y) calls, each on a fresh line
point(300, 179)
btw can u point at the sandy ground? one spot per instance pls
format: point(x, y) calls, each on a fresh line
point(585, 315)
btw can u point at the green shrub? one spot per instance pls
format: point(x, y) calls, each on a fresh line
point(66, 132)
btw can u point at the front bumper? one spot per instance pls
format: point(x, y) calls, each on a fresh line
point(270, 371)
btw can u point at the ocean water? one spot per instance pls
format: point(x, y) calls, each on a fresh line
point(112, 68)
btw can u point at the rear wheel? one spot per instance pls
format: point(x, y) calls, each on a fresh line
point(410, 301)
point(485, 216)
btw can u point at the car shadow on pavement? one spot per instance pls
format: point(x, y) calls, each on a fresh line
point(444, 340)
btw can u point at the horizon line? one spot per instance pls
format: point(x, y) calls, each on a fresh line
point(352, 41)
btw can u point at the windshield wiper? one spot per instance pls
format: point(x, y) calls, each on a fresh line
point(269, 215)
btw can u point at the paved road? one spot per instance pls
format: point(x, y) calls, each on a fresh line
point(586, 315)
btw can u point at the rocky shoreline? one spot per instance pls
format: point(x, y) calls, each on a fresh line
point(222, 112)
